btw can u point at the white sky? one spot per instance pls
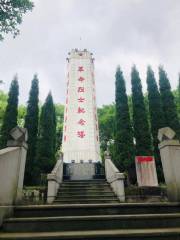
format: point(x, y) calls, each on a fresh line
point(123, 32)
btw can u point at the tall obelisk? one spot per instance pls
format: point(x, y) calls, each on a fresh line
point(80, 132)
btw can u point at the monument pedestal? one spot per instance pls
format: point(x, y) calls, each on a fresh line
point(81, 171)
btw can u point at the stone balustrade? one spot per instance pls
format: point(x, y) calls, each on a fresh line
point(12, 167)
point(114, 178)
point(55, 178)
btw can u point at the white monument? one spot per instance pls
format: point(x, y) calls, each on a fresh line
point(80, 133)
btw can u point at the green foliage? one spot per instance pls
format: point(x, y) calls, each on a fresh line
point(176, 94)
point(3, 104)
point(59, 128)
point(168, 103)
point(11, 12)
point(140, 121)
point(21, 115)
point(106, 116)
point(31, 123)
point(11, 113)
point(124, 146)
point(178, 98)
point(47, 137)
point(156, 116)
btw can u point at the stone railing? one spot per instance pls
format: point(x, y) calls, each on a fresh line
point(55, 178)
point(114, 178)
point(12, 166)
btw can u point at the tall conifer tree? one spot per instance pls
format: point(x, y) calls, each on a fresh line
point(178, 105)
point(140, 121)
point(168, 102)
point(47, 136)
point(11, 112)
point(124, 146)
point(31, 123)
point(156, 116)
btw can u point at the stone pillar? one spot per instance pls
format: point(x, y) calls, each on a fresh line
point(20, 137)
point(170, 157)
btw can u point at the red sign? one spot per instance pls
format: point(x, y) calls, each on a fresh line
point(141, 159)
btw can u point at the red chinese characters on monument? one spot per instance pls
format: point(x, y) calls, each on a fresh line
point(81, 122)
point(80, 89)
point(80, 69)
point(81, 99)
point(81, 79)
point(81, 134)
point(81, 110)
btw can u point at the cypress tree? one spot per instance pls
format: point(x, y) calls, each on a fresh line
point(31, 123)
point(156, 116)
point(140, 121)
point(124, 146)
point(11, 112)
point(47, 136)
point(178, 104)
point(168, 102)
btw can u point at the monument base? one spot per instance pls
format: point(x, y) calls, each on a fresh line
point(81, 171)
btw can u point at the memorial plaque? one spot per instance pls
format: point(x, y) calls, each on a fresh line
point(146, 171)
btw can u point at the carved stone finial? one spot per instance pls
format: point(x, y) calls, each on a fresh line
point(19, 137)
point(107, 154)
point(166, 133)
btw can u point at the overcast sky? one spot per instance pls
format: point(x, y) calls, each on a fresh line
point(123, 32)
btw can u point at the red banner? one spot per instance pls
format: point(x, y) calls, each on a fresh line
point(141, 159)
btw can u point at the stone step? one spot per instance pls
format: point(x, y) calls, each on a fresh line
point(120, 234)
point(86, 196)
point(84, 185)
point(85, 181)
point(95, 209)
point(85, 191)
point(86, 201)
point(96, 222)
point(85, 188)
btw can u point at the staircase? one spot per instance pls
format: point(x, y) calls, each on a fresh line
point(89, 210)
point(85, 192)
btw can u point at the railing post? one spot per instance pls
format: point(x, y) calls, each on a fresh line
point(55, 178)
point(12, 166)
point(170, 157)
point(114, 178)
point(20, 137)
point(52, 188)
